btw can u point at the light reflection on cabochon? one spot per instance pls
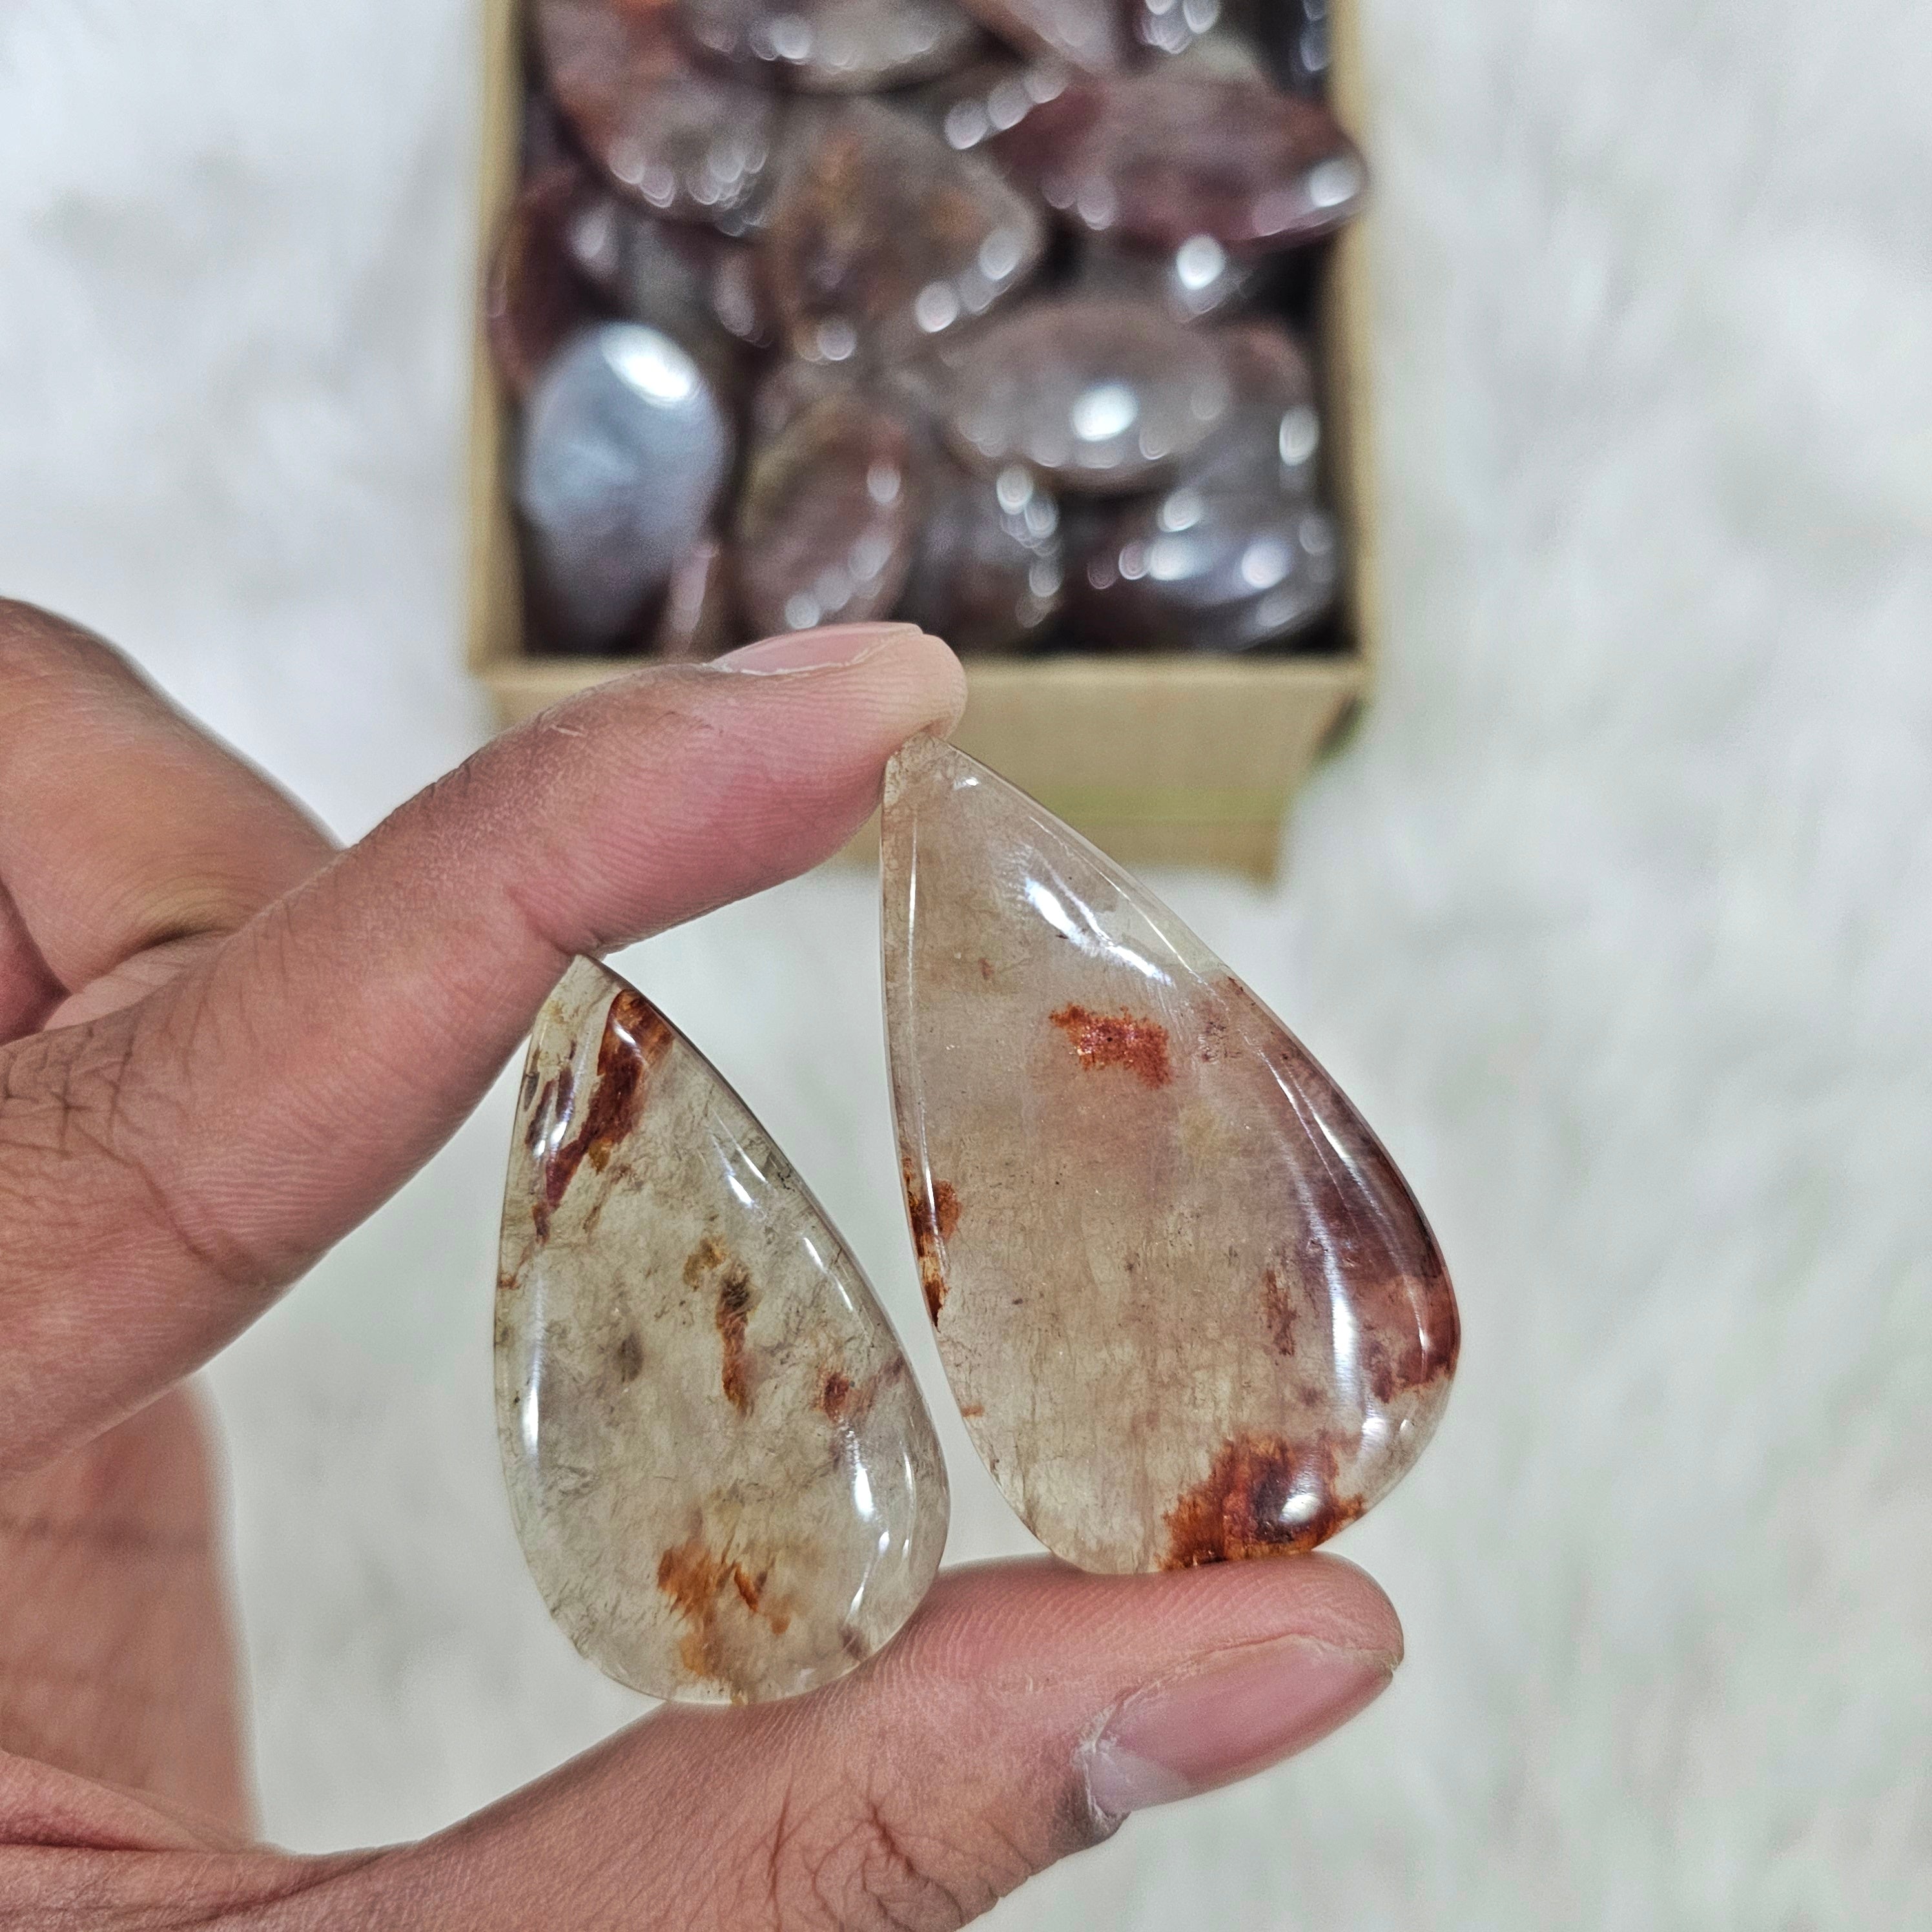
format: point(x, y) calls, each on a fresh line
point(1189, 1309)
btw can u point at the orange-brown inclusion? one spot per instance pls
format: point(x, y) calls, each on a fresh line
point(1117, 1039)
point(636, 1037)
point(1235, 1513)
point(933, 1221)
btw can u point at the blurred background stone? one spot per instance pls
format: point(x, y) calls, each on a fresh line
point(837, 46)
point(828, 519)
point(625, 450)
point(681, 139)
point(876, 241)
point(1099, 396)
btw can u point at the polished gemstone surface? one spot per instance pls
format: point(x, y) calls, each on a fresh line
point(987, 98)
point(1298, 32)
point(1273, 432)
point(624, 451)
point(834, 45)
point(687, 280)
point(1196, 282)
point(1098, 395)
point(1172, 26)
point(725, 1480)
point(883, 240)
point(1206, 568)
point(829, 516)
point(1156, 157)
point(695, 621)
point(987, 572)
point(1189, 1308)
point(1089, 34)
point(685, 140)
point(535, 298)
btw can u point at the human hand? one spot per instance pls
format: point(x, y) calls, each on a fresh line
point(222, 1045)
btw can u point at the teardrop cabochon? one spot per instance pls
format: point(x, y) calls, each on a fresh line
point(1189, 1307)
point(723, 1475)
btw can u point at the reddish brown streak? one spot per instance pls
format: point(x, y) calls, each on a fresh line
point(694, 1580)
point(1235, 1512)
point(736, 1298)
point(636, 1037)
point(1278, 1308)
point(933, 1221)
point(1117, 1039)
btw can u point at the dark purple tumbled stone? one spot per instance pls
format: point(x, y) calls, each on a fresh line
point(625, 450)
point(1152, 159)
point(1089, 34)
point(690, 281)
point(1272, 435)
point(883, 240)
point(1173, 26)
point(1297, 34)
point(830, 515)
point(1206, 569)
point(686, 140)
point(534, 298)
point(989, 571)
point(835, 46)
point(1098, 395)
point(694, 621)
point(1198, 281)
point(991, 97)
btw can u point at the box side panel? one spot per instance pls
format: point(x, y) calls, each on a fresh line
point(1346, 346)
point(495, 588)
point(1171, 760)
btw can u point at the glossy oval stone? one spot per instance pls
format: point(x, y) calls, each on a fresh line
point(829, 518)
point(883, 240)
point(1216, 36)
point(988, 98)
point(684, 139)
point(723, 1476)
point(836, 46)
point(1089, 34)
point(1207, 569)
point(1172, 26)
point(988, 573)
point(690, 281)
point(1098, 395)
point(1156, 157)
point(1297, 34)
point(1189, 1308)
point(1196, 282)
point(534, 298)
point(1272, 433)
point(695, 622)
point(624, 451)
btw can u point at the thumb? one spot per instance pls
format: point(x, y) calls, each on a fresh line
point(1025, 1709)
point(173, 1165)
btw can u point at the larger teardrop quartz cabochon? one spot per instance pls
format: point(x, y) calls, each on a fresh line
point(1190, 1309)
point(725, 1479)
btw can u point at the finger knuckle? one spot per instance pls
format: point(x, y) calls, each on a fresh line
point(861, 1860)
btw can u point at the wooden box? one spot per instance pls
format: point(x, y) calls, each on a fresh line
point(1184, 760)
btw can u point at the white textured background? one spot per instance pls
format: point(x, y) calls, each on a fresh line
point(1616, 918)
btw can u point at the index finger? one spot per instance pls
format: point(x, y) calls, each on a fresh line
point(121, 824)
point(165, 1170)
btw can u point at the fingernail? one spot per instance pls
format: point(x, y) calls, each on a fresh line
point(1236, 1715)
point(832, 648)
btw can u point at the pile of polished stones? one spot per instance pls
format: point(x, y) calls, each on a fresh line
point(973, 313)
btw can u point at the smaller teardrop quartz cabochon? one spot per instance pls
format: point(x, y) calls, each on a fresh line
point(1189, 1308)
point(723, 1477)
